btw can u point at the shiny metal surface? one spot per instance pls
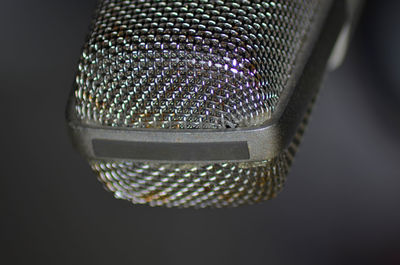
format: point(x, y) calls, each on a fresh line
point(339, 204)
point(197, 185)
point(185, 66)
point(191, 64)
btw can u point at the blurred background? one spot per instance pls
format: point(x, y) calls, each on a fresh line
point(341, 203)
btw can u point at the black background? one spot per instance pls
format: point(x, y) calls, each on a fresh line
point(341, 203)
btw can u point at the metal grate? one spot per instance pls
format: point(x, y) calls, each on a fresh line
point(196, 185)
point(189, 64)
point(185, 185)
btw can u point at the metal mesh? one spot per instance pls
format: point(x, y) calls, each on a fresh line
point(199, 186)
point(189, 64)
point(184, 185)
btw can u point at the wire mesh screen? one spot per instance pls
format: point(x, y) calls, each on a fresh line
point(191, 65)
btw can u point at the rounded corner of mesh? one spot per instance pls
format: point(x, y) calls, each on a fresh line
point(193, 185)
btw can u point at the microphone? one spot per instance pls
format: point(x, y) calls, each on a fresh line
point(200, 103)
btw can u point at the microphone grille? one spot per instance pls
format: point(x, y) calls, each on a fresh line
point(192, 185)
point(198, 185)
point(190, 64)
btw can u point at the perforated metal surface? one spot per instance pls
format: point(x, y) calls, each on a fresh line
point(184, 185)
point(190, 64)
point(196, 185)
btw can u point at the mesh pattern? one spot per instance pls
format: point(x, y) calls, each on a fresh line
point(199, 186)
point(185, 185)
point(189, 64)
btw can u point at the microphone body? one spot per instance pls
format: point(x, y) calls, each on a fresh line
point(199, 103)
